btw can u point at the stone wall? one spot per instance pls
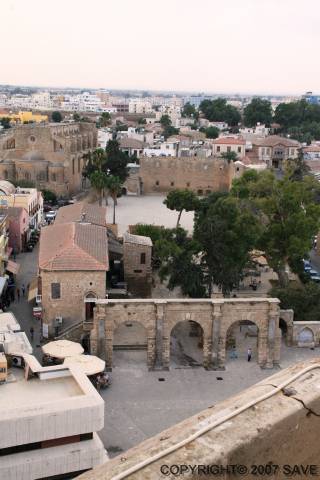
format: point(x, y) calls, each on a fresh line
point(74, 288)
point(137, 275)
point(50, 155)
point(202, 175)
point(214, 316)
point(306, 334)
point(281, 428)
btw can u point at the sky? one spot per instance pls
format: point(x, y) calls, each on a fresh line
point(221, 46)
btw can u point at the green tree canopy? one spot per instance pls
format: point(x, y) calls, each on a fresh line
point(304, 299)
point(99, 181)
point(105, 119)
point(180, 200)
point(188, 110)
point(5, 122)
point(230, 156)
point(288, 215)
point(219, 111)
point(226, 234)
point(211, 132)
point(116, 161)
point(258, 110)
point(56, 117)
point(165, 121)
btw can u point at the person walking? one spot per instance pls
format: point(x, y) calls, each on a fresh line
point(249, 354)
point(23, 290)
point(18, 294)
point(32, 333)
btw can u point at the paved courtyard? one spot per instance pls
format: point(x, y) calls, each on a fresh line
point(146, 209)
point(140, 404)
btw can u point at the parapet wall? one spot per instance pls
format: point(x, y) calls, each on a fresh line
point(280, 428)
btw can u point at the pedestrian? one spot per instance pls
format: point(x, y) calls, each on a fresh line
point(18, 294)
point(32, 333)
point(249, 354)
point(23, 290)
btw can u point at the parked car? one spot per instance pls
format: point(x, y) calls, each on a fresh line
point(315, 278)
point(312, 272)
point(51, 215)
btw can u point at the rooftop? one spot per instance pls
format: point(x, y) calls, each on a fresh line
point(274, 140)
point(82, 212)
point(137, 239)
point(229, 141)
point(73, 246)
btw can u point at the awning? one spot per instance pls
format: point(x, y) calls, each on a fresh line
point(33, 289)
point(13, 267)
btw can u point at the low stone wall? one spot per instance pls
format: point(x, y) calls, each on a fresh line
point(306, 334)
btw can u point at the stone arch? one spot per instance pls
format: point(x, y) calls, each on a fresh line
point(306, 337)
point(286, 326)
point(268, 345)
point(182, 350)
point(89, 303)
point(240, 336)
point(175, 313)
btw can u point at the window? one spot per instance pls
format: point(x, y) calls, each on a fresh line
point(218, 148)
point(188, 184)
point(172, 184)
point(73, 166)
point(239, 149)
point(157, 183)
point(142, 258)
point(55, 290)
point(228, 149)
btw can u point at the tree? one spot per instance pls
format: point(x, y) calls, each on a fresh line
point(56, 117)
point(226, 234)
point(229, 156)
point(303, 299)
point(219, 111)
point(211, 132)
point(188, 110)
point(76, 117)
point(180, 200)
point(113, 184)
point(288, 215)
point(105, 119)
point(99, 181)
point(258, 110)
point(165, 121)
point(116, 161)
point(178, 264)
point(49, 196)
point(94, 161)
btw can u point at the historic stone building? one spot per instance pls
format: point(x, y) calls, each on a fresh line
point(162, 174)
point(50, 155)
point(137, 252)
point(214, 316)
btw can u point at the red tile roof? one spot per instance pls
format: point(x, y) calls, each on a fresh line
point(73, 246)
point(229, 141)
point(82, 211)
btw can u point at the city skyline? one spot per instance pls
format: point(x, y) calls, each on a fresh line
point(182, 47)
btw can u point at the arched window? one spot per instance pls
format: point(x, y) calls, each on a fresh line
point(73, 166)
point(79, 164)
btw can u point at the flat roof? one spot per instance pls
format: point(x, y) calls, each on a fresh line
point(34, 392)
point(8, 322)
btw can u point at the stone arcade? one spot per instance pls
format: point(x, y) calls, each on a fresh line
point(215, 316)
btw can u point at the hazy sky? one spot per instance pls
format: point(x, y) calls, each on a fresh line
point(261, 46)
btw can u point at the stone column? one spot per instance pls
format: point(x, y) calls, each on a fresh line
point(151, 347)
point(262, 348)
point(94, 334)
point(218, 342)
point(207, 354)
point(165, 341)
point(158, 341)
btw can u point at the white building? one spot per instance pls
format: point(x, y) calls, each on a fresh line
point(48, 423)
point(164, 149)
point(229, 144)
point(138, 105)
point(104, 135)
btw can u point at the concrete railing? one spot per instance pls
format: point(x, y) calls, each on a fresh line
point(273, 424)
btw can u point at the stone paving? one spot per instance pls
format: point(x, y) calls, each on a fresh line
point(146, 209)
point(139, 405)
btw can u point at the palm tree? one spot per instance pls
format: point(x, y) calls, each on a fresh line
point(99, 181)
point(114, 185)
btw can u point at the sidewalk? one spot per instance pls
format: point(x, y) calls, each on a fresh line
point(23, 309)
